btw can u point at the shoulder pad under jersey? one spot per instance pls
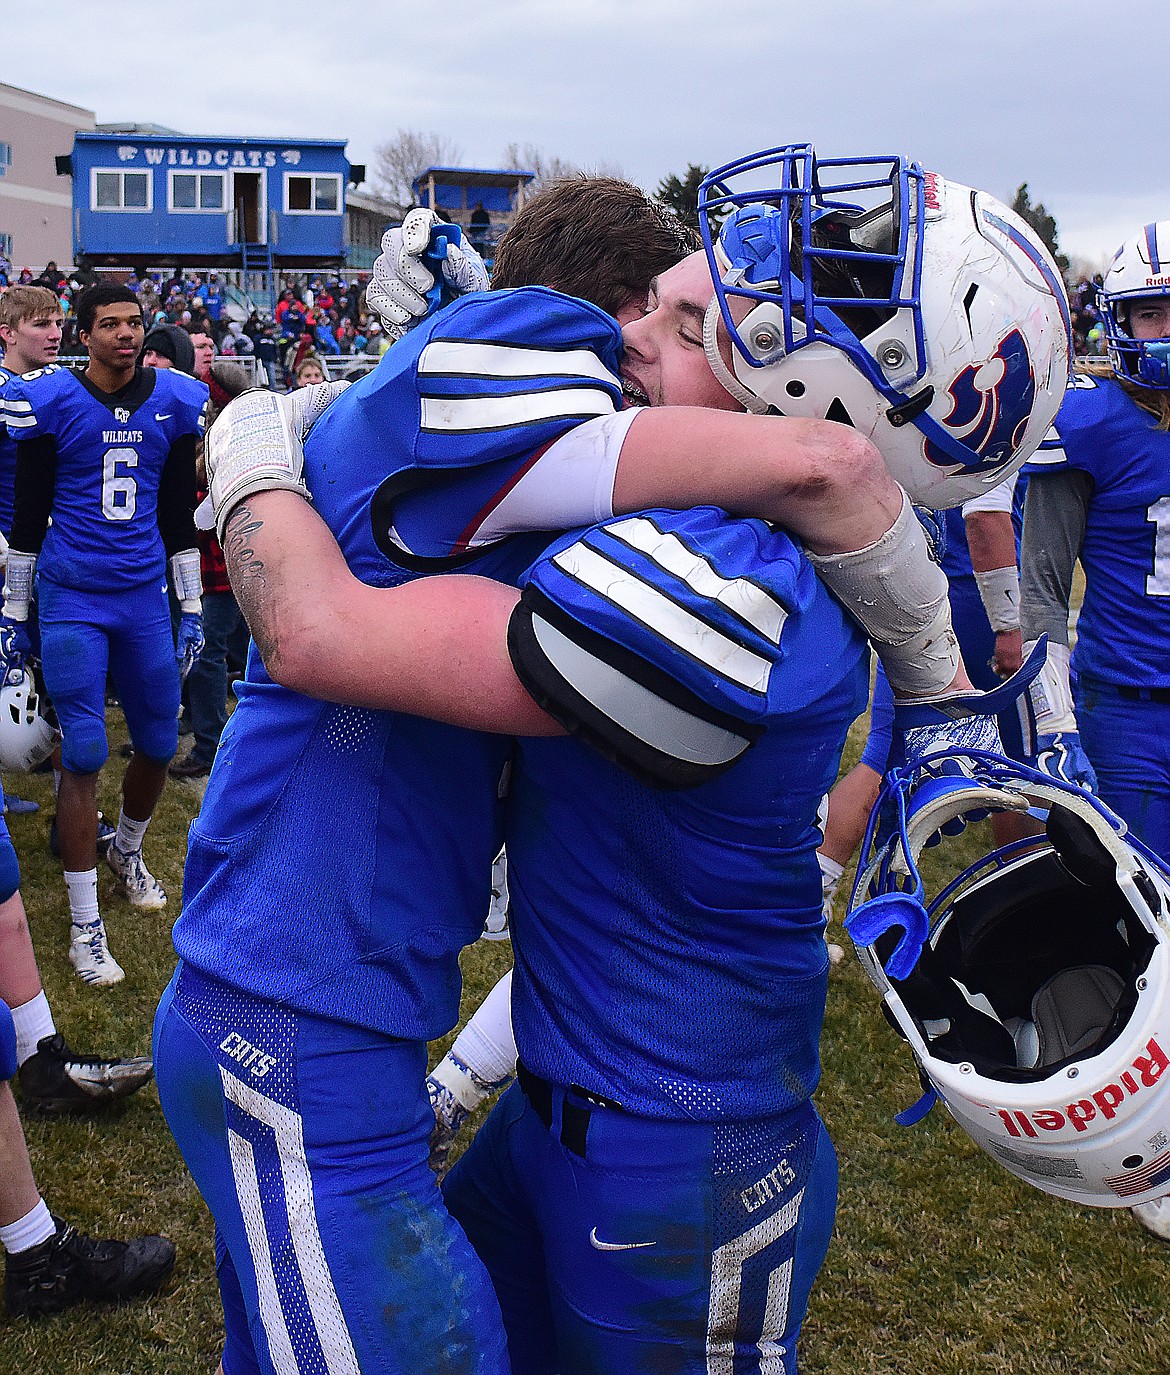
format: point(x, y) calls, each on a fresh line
point(653, 637)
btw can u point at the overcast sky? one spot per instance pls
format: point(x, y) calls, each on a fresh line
point(1068, 95)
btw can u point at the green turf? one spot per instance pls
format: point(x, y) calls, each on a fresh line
point(942, 1263)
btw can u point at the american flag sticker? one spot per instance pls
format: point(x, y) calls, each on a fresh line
point(1151, 1174)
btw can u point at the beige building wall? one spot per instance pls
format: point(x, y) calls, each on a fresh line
point(36, 205)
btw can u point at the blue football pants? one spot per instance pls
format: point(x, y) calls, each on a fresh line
point(308, 1139)
point(677, 1246)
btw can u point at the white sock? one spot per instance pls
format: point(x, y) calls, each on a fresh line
point(131, 833)
point(28, 1231)
point(56, 781)
point(831, 873)
point(33, 1021)
point(486, 1047)
point(83, 899)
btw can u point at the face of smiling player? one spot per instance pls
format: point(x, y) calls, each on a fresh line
point(664, 362)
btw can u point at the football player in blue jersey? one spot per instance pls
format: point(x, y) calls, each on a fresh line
point(108, 456)
point(1099, 491)
point(709, 596)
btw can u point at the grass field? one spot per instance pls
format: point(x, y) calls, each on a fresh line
point(942, 1263)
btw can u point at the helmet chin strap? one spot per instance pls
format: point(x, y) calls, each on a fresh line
point(723, 374)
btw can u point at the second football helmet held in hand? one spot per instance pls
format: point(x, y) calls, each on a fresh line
point(1039, 1008)
point(1140, 270)
point(27, 736)
point(924, 314)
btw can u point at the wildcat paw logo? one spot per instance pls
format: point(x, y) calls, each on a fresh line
point(990, 406)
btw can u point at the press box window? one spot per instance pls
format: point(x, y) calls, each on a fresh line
point(196, 191)
point(120, 190)
point(5, 157)
point(312, 195)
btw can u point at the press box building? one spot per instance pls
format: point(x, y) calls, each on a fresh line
point(143, 195)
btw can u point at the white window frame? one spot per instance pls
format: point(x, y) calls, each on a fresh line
point(122, 173)
point(314, 177)
point(173, 209)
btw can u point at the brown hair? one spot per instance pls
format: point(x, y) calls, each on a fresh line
point(598, 238)
point(1156, 403)
point(21, 303)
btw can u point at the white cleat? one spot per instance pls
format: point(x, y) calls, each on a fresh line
point(1154, 1217)
point(142, 888)
point(836, 952)
point(89, 954)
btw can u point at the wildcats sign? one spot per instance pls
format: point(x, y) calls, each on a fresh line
point(209, 157)
point(1144, 1073)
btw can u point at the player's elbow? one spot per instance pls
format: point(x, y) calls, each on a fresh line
point(840, 464)
point(294, 647)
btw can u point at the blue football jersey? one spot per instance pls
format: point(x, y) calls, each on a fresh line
point(669, 944)
point(342, 857)
point(7, 457)
point(110, 460)
point(1123, 631)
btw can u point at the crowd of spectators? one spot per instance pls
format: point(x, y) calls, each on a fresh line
point(318, 317)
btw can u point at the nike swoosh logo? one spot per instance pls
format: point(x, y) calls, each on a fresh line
point(164, 417)
point(617, 1245)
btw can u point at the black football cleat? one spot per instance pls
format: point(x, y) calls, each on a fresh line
point(71, 1268)
point(56, 1079)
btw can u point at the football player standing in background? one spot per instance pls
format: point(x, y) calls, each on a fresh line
point(109, 456)
point(1099, 490)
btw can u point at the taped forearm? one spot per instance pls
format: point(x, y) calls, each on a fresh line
point(1054, 529)
point(900, 597)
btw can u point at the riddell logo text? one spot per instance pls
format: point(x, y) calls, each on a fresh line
point(1144, 1073)
point(1158, 281)
point(930, 191)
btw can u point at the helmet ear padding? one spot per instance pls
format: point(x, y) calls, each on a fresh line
point(1073, 1011)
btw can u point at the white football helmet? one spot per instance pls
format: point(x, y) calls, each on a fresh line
point(1038, 1008)
point(925, 314)
point(1140, 268)
point(27, 737)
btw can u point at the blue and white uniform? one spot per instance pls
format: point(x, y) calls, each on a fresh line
point(1110, 450)
point(657, 1192)
point(341, 860)
point(7, 456)
point(116, 474)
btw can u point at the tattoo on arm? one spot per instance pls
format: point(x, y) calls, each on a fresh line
point(247, 575)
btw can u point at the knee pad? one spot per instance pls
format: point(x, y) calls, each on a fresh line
point(7, 1043)
point(84, 751)
point(9, 869)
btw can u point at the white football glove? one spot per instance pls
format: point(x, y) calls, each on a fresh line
point(398, 289)
point(256, 445)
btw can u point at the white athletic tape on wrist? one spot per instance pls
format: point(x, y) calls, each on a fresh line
point(256, 445)
point(187, 581)
point(894, 590)
point(1050, 694)
point(18, 584)
point(999, 590)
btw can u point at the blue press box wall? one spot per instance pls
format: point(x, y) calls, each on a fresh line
point(160, 232)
